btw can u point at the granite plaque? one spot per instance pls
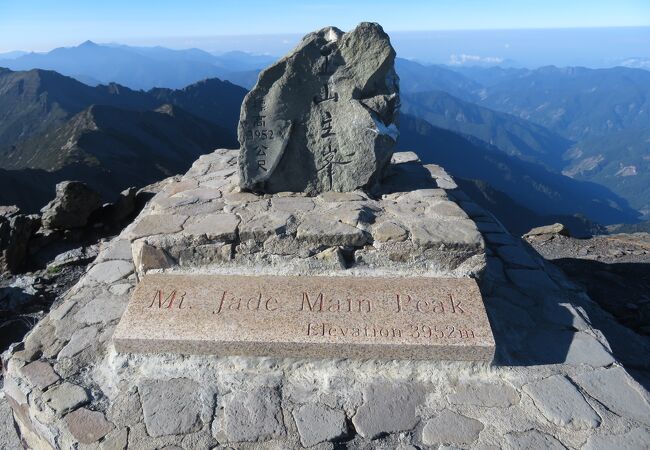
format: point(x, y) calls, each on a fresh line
point(307, 316)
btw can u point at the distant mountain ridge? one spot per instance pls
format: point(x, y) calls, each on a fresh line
point(514, 136)
point(137, 67)
point(108, 136)
point(528, 184)
point(473, 102)
point(604, 113)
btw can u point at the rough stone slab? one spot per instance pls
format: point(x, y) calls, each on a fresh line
point(80, 340)
point(532, 439)
point(323, 118)
point(451, 234)
point(40, 373)
point(389, 231)
point(484, 394)
point(552, 347)
point(88, 426)
point(171, 406)
point(612, 388)
point(319, 230)
point(103, 310)
point(253, 416)
point(65, 397)
point(319, 423)
point(635, 439)
point(110, 271)
point(8, 437)
point(449, 427)
point(366, 317)
point(404, 157)
point(388, 408)
point(157, 224)
point(561, 403)
point(215, 226)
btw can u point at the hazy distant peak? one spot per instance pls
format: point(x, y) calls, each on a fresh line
point(88, 44)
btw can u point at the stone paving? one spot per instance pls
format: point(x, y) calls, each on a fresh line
point(555, 382)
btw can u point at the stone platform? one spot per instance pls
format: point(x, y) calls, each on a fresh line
point(411, 227)
point(565, 374)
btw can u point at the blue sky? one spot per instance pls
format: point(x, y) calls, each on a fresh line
point(39, 25)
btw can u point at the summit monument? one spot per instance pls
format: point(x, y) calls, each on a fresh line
point(263, 298)
point(324, 117)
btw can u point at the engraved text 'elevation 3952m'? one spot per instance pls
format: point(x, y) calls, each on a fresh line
point(410, 318)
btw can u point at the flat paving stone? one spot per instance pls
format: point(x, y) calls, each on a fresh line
point(561, 402)
point(40, 374)
point(388, 408)
point(292, 204)
point(532, 439)
point(564, 314)
point(515, 255)
point(530, 280)
point(66, 396)
point(171, 406)
point(561, 346)
point(253, 416)
point(262, 227)
point(80, 340)
point(220, 227)
point(498, 395)
point(8, 436)
point(319, 423)
point(389, 231)
point(636, 439)
point(449, 427)
point(452, 234)
point(110, 271)
point(447, 208)
point(103, 309)
point(612, 388)
point(332, 196)
point(118, 249)
point(88, 426)
point(116, 440)
point(153, 224)
point(319, 230)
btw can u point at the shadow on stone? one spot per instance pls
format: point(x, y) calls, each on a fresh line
point(13, 327)
point(521, 336)
point(622, 290)
point(405, 177)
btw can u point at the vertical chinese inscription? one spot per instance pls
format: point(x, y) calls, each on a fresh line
point(263, 139)
point(329, 149)
point(258, 135)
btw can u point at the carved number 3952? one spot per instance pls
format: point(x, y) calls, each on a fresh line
point(259, 134)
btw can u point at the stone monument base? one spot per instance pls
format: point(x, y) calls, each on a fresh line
point(554, 382)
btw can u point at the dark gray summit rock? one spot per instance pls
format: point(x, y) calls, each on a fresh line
point(73, 204)
point(324, 117)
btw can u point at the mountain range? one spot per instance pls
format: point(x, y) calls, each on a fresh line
point(110, 137)
point(549, 141)
point(138, 67)
point(589, 124)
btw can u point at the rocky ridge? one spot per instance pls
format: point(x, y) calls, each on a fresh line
point(559, 379)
